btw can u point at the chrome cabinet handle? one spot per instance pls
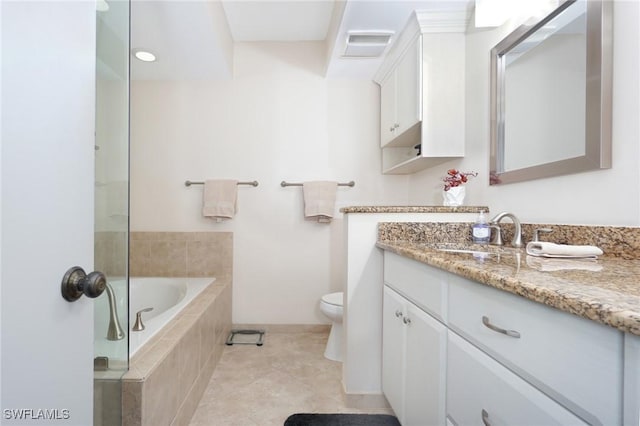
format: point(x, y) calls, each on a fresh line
point(487, 323)
point(391, 129)
point(395, 126)
point(398, 314)
point(76, 282)
point(406, 320)
point(485, 418)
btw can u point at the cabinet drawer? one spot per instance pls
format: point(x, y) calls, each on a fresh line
point(422, 284)
point(480, 390)
point(576, 361)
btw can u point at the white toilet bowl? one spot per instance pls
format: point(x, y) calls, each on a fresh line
point(331, 306)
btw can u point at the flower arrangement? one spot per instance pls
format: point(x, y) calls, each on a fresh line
point(456, 178)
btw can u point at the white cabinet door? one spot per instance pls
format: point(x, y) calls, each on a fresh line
point(408, 88)
point(413, 362)
point(387, 109)
point(425, 369)
point(479, 390)
point(400, 95)
point(393, 349)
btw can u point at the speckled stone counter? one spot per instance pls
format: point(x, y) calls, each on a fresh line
point(413, 209)
point(606, 291)
point(615, 241)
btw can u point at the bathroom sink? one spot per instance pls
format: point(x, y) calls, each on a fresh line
point(475, 249)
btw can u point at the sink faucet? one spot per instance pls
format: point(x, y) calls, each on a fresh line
point(517, 233)
point(115, 331)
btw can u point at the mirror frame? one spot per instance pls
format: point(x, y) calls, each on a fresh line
point(598, 111)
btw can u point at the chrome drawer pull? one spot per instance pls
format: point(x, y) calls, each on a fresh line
point(398, 314)
point(485, 418)
point(487, 323)
point(406, 320)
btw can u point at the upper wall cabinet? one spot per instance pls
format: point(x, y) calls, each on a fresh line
point(422, 93)
point(400, 108)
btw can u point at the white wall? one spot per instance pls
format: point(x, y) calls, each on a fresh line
point(604, 197)
point(278, 119)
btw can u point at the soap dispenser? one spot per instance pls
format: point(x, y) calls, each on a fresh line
point(480, 232)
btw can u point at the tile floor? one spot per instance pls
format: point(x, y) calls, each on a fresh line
point(262, 386)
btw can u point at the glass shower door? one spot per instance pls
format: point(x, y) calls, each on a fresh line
point(111, 349)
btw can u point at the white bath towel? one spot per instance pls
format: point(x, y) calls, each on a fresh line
point(546, 249)
point(219, 199)
point(319, 200)
point(553, 265)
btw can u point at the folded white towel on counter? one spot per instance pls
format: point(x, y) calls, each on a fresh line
point(546, 249)
point(219, 199)
point(553, 265)
point(319, 200)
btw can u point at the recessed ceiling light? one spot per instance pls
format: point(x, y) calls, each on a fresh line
point(144, 55)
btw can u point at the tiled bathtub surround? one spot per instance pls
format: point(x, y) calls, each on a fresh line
point(622, 242)
point(110, 253)
point(168, 376)
point(181, 254)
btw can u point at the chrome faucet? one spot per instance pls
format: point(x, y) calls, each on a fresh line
point(497, 237)
point(115, 331)
point(139, 325)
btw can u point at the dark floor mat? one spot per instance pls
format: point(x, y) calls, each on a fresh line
point(313, 419)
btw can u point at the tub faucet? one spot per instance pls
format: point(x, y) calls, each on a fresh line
point(517, 233)
point(139, 325)
point(115, 331)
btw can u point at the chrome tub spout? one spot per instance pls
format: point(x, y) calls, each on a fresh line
point(115, 331)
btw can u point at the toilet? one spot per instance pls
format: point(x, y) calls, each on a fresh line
point(331, 306)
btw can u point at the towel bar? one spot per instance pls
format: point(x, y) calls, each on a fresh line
point(283, 184)
point(253, 183)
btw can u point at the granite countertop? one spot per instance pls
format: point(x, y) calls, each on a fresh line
point(606, 291)
point(413, 209)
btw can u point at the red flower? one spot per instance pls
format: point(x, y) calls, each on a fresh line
point(456, 178)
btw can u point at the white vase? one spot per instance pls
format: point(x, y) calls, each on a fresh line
point(454, 196)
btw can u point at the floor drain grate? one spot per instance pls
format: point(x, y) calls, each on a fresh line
point(246, 337)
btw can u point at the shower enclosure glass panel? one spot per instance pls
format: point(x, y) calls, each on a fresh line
point(111, 349)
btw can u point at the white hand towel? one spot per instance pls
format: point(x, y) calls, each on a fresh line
point(546, 249)
point(552, 265)
point(319, 200)
point(219, 199)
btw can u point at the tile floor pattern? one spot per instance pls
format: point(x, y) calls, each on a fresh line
point(262, 386)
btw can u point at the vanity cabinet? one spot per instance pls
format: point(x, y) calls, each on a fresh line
point(413, 349)
point(576, 361)
point(422, 96)
point(481, 391)
point(508, 360)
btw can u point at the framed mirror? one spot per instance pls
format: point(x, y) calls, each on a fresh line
point(551, 83)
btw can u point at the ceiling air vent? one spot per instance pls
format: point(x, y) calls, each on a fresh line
point(367, 44)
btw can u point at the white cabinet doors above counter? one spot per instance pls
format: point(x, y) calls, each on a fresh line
point(400, 108)
point(422, 98)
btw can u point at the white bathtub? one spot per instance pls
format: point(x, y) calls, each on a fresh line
point(167, 296)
